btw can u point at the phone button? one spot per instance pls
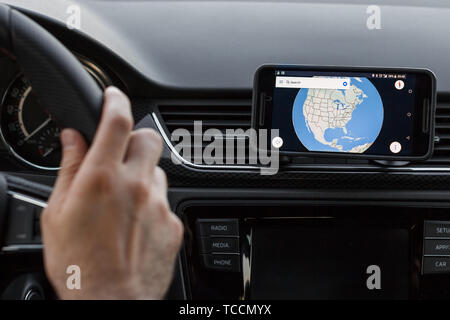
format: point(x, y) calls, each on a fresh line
point(222, 262)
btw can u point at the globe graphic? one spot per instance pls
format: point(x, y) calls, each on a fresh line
point(333, 120)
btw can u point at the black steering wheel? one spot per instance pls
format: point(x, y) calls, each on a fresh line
point(58, 79)
point(67, 91)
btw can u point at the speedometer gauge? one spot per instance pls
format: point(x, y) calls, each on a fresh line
point(28, 128)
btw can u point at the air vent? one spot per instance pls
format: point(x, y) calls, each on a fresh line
point(221, 115)
point(442, 134)
point(236, 114)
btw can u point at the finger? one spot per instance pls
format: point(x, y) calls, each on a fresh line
point(144, 152)
point(110, 141)
point(74, 149)
point(159, 184)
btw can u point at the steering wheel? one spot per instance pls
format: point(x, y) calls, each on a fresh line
point(59, 80)
point(67, 91)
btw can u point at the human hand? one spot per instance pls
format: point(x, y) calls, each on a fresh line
point(109, 213)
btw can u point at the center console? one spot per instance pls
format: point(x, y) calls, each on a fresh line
point(305, 250)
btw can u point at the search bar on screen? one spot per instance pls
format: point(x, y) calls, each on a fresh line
point(312, 83)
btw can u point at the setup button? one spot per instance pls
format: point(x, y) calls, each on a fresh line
point(437, 229)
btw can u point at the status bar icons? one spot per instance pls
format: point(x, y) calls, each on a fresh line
point(388, 76)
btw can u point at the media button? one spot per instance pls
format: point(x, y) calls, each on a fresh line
point(219, 245)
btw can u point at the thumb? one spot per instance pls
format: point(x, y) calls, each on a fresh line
point(74, 150)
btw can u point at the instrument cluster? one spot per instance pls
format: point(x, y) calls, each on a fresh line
point(28, 130)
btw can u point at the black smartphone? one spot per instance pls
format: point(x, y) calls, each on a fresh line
point(357, 112)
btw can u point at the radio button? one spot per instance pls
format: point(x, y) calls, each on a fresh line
point(219, 245)
point(222, 262)
point(436, 265)
point(217, 227)
point(437, 229)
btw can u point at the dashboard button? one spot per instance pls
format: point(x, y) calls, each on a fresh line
point(20, 225)
point(37, 238)
point(222, 262)
point(217, 227)
point(437, 247)
point(437, 229)
point(219, 245)
point(436, 265)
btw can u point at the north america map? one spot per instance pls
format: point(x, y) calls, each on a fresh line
point(339, 120)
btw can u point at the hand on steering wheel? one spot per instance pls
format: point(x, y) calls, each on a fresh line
point(109, 213)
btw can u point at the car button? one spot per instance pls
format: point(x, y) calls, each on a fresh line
point(217, 227)
point(436, 265)
point(437, 247)
point(222, 262)
point(218, 244)
point(437, 229)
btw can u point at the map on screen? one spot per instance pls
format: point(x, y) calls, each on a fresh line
point(338, 120)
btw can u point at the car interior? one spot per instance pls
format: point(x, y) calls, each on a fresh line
point(320, 227)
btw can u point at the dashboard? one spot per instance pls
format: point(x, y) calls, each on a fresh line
point(181, 61)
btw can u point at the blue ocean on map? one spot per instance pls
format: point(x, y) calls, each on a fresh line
point(363, 127)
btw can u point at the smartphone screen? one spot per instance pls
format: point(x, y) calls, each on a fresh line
point(359, 112)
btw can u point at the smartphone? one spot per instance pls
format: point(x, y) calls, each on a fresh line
point(355, 112)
